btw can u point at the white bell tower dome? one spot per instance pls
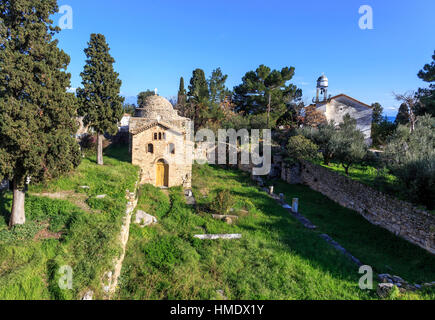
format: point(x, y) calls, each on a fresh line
point(322, 88)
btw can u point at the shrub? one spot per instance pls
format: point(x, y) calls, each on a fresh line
point(301, 148)
point(313, 117)
point(20, 232)
point(59, 213)
point(259, 121)
point(164, 253)
point(223, 202)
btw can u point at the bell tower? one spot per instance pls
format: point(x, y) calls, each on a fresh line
point(322, 88)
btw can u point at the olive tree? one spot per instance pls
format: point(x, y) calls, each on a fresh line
point(410, 156)
point(348, 144)
point(322, 137)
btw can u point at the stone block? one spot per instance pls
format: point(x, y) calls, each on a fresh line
point(144, 219)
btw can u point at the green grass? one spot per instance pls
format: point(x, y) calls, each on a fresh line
point(373, 245)
point(380, 179)
point(276, 258)
point(86, 236)
point(365, 174)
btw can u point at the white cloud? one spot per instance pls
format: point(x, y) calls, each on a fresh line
point(72, 90)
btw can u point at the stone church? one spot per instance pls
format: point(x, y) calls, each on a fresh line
point(161, 144)
point(335, 108)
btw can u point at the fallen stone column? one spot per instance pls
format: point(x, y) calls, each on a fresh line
point(217, 236)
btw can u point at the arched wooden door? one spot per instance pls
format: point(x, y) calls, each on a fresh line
point(162, 174)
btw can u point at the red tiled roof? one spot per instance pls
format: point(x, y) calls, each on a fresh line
point(343, 95)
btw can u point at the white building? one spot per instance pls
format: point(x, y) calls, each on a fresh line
point(335, 108)
point(123, 125)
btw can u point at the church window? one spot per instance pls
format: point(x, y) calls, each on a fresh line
point(172, 148)
point(150, 148)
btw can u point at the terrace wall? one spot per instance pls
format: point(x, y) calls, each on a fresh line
point(402, 218)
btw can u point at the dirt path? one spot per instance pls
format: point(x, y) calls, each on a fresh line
point(113, 276)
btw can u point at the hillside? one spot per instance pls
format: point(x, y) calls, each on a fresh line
point(67, 225)
point(277, 258)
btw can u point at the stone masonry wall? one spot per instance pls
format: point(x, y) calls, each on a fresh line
point(180, 164)
point(400, 217)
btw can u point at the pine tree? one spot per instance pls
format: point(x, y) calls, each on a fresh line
point(428, 72)
point(216, 83)
point(427, 95)
point(141, 97)
point(37, 114)
point(266, 91)
point(100, 102)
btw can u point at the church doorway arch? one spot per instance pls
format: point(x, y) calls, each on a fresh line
point(162, 173)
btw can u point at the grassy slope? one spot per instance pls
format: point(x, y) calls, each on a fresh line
point(29, 267)
point(276, 259)
point(373, 245)
point(380, 180)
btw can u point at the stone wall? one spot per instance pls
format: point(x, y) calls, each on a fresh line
point(341, 105)
point(400, 217)
point(179, 161)
point(291, 174)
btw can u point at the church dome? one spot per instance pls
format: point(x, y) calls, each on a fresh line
point(322, 82)
point(157, 103)
point(155, 107)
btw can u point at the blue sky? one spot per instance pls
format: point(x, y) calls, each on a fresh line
point(156, 42)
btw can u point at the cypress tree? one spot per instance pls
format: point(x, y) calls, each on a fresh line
point(181, 92)
point(37, 114)
point(377, 113)
point(100, 102)
point(198, 99)
point(198, 88)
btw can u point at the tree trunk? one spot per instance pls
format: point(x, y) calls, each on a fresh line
point(412, 118)
point(268, 111)
point(326, 160)
point(17, 215)
point(100, 149)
